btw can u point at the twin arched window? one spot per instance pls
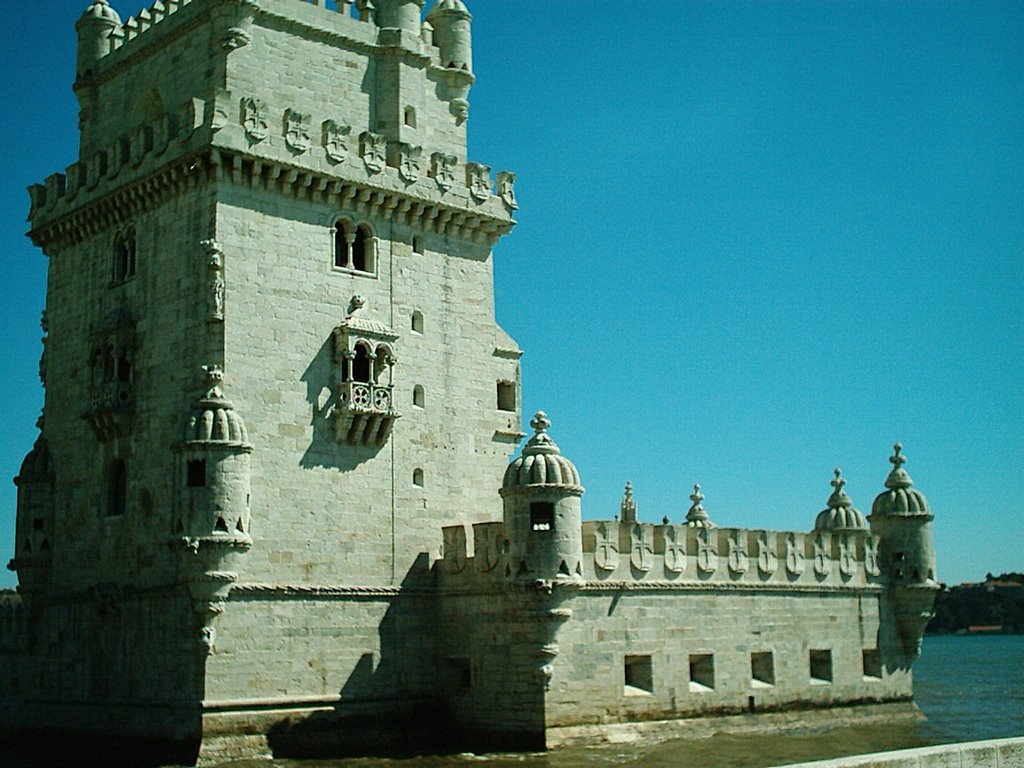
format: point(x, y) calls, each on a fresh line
point(355, 247)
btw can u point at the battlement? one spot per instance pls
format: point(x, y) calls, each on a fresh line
point(644, 555)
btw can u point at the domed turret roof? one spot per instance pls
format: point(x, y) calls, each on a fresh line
point(100, 9)
point(214, 418)
point(447, 6)
point(901, 498)
point(36, 465)
point(542, 462)
point(841, 514)
point(697, 517)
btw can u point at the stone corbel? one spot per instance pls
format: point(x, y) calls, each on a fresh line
point(236, 18)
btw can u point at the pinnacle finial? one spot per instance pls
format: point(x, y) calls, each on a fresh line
point(898, 459)
point(696, 497)
point(628, 506)
point(540, 423)
point(697, 517)
point(839, 480)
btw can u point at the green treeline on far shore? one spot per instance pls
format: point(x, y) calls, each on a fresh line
point(993, 606)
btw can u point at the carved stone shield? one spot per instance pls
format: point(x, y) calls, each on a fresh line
point(871, 556)
point(822, 560)
point(737, 553)
point(767, 559)
point(254, 119)
point(335, 138)
point(454, 548)
point(409, 162)
point(606, 549)
point(296, 130)
point(795, 558)
point(675, 549)
point(443, 170)
point(707, 555)
point(373, 147)
point(478, 179)
point(641, 554)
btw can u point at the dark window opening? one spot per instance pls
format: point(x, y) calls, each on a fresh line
point(124, 368)
point(639, 674)
point(702, 672)
point(417, 244)
point(506, 396)
point(117, 489)
point(362, 257)
point(762, 668)
point(341, 246)
point(542, 515)
point(221, 526)
point(417, 322)
point(38, 524)
point(872, 664)
point(821, 666)
point(417, 477)
point(361, 365)
point(410, 117)
point(197, 473)
point(418, 397)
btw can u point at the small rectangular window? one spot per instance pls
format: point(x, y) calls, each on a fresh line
point(506, 396)
point(762, 669)
point(542, 515)
point(821, 666)
point(639, 675)
point(197, 473)
point(872, 664)
point(702, 672)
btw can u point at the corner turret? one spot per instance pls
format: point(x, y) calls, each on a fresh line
point(212, 528)
point(450, 21)
point(840, 514)
point(94, 28)
point(33, 556)
point(400, 14)
point(902, 519)
point(543, 519)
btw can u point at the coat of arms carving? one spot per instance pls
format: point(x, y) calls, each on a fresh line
point(795, 558)
point(606, 548)
point(443, 170)
point(822, 561)
point(296, 130)
point(707, 555)
point(478, 179)
point(507, 188)
point(409, 162)
point(641, 551)
point(373, 148)
point(767, 559)
point(675, 549)
point(335, 138)
point(737, 553)
point(254, 119)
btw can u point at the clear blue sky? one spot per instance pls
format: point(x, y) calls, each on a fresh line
point(756, 240)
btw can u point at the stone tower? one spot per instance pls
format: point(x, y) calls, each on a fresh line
point(277, 193)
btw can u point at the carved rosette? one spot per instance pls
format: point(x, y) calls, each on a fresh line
point(335, 140)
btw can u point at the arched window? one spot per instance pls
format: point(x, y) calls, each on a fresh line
point(410, 117)
point(362, 249)
point(417, 322)
point(117, 488)
point(361, 364)
point(124, 255)
point(342, 246)
point(417, 477)
point(418, 397)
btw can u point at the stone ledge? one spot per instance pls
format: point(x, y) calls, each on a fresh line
point(997, 753)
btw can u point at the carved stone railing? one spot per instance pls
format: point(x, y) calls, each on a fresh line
point(365, 413)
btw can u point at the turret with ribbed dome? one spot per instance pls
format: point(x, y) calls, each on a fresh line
point(902, 520)
point(94, 28)
point(840, 515)
point(543, 520)
point(215, 466)
point(451, 25)
point(33, 543)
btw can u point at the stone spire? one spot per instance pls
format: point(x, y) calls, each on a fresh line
point(901, 498)
point(628, 507)
point(697, 517)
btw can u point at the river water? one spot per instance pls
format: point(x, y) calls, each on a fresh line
point(969, 688)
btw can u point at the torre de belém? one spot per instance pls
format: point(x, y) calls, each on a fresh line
point(271, 503)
